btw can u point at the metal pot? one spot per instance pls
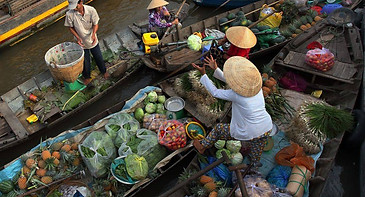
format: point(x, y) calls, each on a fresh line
point(175, 107)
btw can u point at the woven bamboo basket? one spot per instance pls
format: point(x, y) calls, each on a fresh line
point(71, 183)
point(65, 61)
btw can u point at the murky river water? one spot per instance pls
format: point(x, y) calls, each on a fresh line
point(26, 59)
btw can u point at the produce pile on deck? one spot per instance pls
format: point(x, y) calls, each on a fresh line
point(64, 96)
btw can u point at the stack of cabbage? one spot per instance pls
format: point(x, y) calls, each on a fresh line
point(232, 149)
point(153, 104)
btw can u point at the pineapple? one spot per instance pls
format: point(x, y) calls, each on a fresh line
point(313, 13)
point(286, 33)
point(186, 174)
point(303, 19)
point(199, 191)
point(66, 157)
point(223, 192)
point(46, 179)
point(309, 19)
point(297, 23)
point(56, 146)
point(50, 165)
point(292, 28)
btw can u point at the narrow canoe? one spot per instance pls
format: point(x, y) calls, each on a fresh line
point(229, 5)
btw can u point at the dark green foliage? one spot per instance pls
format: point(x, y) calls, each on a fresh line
point(186, 84)
point(328, 120)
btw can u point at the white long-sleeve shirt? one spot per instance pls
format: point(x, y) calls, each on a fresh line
point(249, 116)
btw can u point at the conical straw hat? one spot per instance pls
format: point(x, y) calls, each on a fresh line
point(156, 4)
point(242, 76)
point(241, 37)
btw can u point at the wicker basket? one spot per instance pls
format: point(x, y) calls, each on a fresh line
point(65, 61)
point(71, 183)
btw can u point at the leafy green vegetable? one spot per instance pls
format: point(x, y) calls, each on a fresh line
point(137, 166)
point(87, 152)
point(133, 143)
point(121, 171)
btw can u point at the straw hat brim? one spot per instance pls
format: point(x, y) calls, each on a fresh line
point(242, 76)
point(241, 37)
point(156, 3)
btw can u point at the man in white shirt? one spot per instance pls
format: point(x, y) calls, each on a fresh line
point(82, 21)
point(250, 120)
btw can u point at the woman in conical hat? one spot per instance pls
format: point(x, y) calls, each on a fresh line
point(242, 39)
point(159, 17)
point(250, 120)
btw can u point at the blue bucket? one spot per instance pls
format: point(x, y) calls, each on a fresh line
point(330, 8)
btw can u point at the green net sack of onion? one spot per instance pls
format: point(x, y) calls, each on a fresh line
point(172, 135)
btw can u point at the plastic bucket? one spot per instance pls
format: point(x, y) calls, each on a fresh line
point(330, 8)
point(65, 61)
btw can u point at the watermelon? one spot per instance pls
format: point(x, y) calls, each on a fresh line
point(240, 13)
point(235, 23)
point(12, 194)
point(279, 39)
point(224, 28)
point(244, 23)
point(223, 20)
point(263, 27)
point(231, 16)
point(255, 30)
point(6, 186)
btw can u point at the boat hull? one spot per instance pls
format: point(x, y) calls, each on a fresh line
point(230, 5)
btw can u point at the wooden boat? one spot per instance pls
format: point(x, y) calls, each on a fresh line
point(14, 126)
point(22, 18)
point(171, 59)
point(216, 3)
point(340, 85)
point(173, 165)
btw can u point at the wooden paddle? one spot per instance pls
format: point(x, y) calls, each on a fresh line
point(178, 12)
point(249, 13)
point(224, 3)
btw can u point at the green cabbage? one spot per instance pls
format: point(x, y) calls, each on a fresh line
point(150, 108)
point(161, 99)
point(137, 167)
point(152, 96)
point(219, 155)
point(220, 144)
point(234, 146)
point(139, 114)
point(236, 158)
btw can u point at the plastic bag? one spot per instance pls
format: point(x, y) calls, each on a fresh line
point(120, 127)
point(124, 150)
point(294, 155)
point(137, 166)
point(97, 152)
point(194, 42)
point(148, 142)
point(272, 21)
point(172, 134)
point(320, 59)
point(256, 187)
point(154, 121)
point(218, 173)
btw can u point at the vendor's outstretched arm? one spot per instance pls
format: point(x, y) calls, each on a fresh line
point(212, 63)
point(214, 91)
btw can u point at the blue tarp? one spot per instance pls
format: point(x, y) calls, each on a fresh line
point(10, 171)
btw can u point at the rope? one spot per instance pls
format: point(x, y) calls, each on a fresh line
point(303, 174)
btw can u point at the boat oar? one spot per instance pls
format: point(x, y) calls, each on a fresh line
point(249, 13)
point(223, 4)
point(178, 12)
point(197, 175)
point(261, 19)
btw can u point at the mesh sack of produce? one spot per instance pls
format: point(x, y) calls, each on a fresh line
point(121, 127)
point(172, 135)
point(97, 152)
point(154, 121)
point(320, 59)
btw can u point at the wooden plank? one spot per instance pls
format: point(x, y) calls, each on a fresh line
point(13, 121)
point(355, 43)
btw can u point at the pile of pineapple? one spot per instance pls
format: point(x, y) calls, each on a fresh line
point(48, 163)
point(301, 24)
